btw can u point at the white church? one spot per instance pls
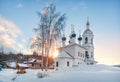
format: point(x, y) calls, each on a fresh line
point(76, 53)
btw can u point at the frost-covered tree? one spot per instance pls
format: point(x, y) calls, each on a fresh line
point(51, 25)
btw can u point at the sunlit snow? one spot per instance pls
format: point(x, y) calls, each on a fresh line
point(83, 73)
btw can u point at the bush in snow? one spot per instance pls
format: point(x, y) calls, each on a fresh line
point(42, 74)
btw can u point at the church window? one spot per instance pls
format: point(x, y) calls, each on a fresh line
point(91, 41)
point(91, 54)
point(86, 54)
point(83, 55)
point(68, 63)
point(86, 40)
point(56, 64)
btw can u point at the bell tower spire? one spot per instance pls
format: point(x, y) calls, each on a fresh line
point(87, 42)
point(87, 23)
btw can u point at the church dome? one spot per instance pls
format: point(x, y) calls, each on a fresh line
point(73, 35)
point(79, 38)
point(64, 38)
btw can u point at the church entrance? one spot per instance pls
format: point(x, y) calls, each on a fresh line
point(56, 64)
point(68, 63)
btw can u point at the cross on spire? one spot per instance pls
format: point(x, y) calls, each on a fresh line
point(72, 28)
point(79, 32)
point(63, 33)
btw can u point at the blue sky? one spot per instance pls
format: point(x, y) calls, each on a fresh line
point(19, 17)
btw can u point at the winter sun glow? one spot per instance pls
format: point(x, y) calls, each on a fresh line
point(53, 51)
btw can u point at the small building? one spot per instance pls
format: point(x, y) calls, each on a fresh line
point(34, 63)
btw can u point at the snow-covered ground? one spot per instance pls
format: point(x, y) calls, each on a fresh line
point(83, 73)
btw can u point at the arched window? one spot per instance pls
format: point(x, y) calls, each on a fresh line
point(86, 40)
point(68, 63)
point(56, 64)
point(83, 56)
point(86, 54)
point(91, 54)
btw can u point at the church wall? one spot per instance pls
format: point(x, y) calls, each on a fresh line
point(77, 52)
point(63, 62)
point(89, 45)
point(80, 54)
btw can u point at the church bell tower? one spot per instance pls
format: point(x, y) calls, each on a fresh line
point(87, 42)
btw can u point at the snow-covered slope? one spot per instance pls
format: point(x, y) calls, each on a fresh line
point(83, 73)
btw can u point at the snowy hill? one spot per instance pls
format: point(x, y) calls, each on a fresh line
point(83, 73)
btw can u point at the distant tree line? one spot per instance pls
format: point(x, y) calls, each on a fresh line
point(21, 58)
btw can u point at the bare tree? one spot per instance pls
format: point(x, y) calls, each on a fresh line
point(51, 25)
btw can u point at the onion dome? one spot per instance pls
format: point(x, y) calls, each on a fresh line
point(63, 38)
point(79, 38)
point(72, 32)
point(73, 35)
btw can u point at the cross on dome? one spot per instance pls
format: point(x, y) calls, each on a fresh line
point(72, 28)
point(79, 32)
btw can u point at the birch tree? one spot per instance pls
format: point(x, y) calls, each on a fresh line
point(49, 29)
